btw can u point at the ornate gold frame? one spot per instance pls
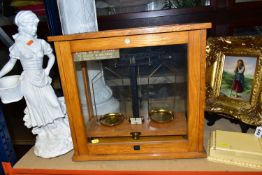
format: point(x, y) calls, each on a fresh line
point(249, 112)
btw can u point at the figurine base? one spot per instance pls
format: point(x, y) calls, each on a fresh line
point(54, 140)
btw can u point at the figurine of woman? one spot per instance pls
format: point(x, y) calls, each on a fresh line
point(238, 82)
point(45, 113)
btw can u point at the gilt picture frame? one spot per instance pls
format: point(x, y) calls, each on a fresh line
point(234, 78)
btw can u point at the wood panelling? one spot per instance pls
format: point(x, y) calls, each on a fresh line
point(73, 105)
point(194, 53)
point(178, 126)
point(130, 31)
point(129, 41)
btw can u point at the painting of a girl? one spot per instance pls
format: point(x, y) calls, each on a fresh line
point(238, 82)
point(238, 76)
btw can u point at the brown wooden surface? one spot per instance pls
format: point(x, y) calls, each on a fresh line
point(146, 147)
point(137, 156)
point(62, 73)
point(178, 126)
point(140, 140)
point(158, 39)
point(73, 105)
point(193, 88)
point(131, 31)
point(202, 97)
point(87, 90)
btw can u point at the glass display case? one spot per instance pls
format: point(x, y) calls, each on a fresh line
point(135, 93)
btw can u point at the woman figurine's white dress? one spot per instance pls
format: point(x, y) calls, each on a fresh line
point(45, 113)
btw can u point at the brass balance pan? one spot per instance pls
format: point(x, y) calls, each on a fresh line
point(161, 115)
point(112, 119)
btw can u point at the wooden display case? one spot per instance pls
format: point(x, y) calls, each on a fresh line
point(179, 138)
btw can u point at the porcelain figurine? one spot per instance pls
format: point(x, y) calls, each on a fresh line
point(44, 113)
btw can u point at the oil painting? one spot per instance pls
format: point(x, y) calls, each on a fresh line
point(238, 76)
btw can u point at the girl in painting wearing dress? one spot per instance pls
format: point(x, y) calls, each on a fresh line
point(238, 82)
point(45, 113)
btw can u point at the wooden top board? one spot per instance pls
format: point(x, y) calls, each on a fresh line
point(131, 31)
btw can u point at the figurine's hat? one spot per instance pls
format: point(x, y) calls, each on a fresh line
point(25, 16)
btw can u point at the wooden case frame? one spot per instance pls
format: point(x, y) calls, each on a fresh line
point(194, 35)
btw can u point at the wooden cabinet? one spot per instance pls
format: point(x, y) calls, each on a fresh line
point(225, 15)
point(180, 138)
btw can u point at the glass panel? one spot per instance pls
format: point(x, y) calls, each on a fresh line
point(109, 7)
point(141, 90)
